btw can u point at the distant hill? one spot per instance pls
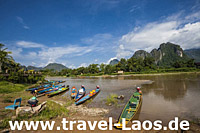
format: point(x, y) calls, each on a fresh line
point(193, 53)
point(55, 66)
point(114, 62)
point(167, 54)
point(34, 68)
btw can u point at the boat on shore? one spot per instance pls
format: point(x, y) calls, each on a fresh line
point(49, 89)
point(81, 92)
point(88, 96)
point(73, 92)
point(130, 109)
point(58, 91)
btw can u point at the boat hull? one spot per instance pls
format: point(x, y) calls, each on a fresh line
point(131, 109)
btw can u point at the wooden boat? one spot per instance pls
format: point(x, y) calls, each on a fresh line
point(49, 88)
point(60, 90)
point(73, 92)
point(54, 89)
point(130, 109)
point(88, 96)
point(80, 94)
point(38, 87)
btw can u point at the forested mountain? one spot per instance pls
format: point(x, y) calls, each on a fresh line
point(114, 62)
point(166, 55)
point(193, 53)
point(55, 66)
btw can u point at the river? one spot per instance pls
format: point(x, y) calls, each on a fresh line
point(164, 96)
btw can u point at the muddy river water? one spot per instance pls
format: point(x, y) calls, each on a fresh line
point(164, 96)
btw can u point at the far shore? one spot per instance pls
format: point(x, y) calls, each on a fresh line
point(126, 75)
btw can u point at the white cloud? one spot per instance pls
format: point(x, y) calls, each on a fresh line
point(53, 53)
point(26, 44)
point(111, 59)
point(153, 34)
point(26, 27)
point(45, 55)
point(83, 65)
point(72, 66)
point(21, 20)
point(101, 42)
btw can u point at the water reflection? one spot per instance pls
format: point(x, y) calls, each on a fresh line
point(164, 96)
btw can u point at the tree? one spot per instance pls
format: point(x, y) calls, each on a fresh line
point(108, 69)
point(102, 67)
point(93, 68)
point(123, 63)
point(5, 58)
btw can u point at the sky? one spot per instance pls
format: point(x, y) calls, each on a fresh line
point(80, 32)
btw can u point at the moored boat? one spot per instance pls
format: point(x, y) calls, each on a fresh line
point(58, 91)
point(73, 92)
point(131, 108)
point(88, 96)
point(81, 92)
point(49, 89)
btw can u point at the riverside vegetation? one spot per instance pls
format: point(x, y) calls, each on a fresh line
point(166, 59)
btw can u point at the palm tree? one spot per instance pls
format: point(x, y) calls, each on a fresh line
point(5, 58)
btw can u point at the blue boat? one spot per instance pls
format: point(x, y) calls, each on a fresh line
point(39, 87)
point(80, 94)
point(47, 89)
point(88, 96)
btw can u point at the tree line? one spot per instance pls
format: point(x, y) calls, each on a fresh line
point(131, 65)
point(12, 71)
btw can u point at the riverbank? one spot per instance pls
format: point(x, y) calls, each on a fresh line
point(174, 91)
point(147, 74)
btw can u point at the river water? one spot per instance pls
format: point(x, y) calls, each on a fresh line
point(164, 96)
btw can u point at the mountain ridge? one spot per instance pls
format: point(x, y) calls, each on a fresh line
point(55, 66)
point(167, 54)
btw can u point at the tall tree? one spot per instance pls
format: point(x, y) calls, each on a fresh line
point(5, 58)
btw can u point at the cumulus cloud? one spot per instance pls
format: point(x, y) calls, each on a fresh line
point(53, 53)
point(83, 65)
point(173, 29)
point(46, 54)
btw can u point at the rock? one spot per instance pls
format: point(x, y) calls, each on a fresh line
point(88, 111)
point(30, 110)
point(120, 97)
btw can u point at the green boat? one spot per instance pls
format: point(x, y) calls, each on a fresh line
point(131, 108)
point(60, 90)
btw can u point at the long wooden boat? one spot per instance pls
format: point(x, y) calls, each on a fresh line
point(80, 94)
point(38, 87)
point(60, 90)
point(88, 96)
point(73, 92)
point(131, 108)
point(48, 89)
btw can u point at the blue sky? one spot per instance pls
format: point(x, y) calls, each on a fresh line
point(80, 32)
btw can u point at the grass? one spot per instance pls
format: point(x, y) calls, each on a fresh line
point(52, 110)
point(111, 99)
point(8, 87)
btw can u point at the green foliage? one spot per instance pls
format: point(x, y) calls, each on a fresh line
point(51, 111)
point(8, 87)
point(4, 123)
point(112, 99)
point(12, 71)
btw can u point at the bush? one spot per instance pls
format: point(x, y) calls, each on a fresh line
point(111, 99)
point(52, 110)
